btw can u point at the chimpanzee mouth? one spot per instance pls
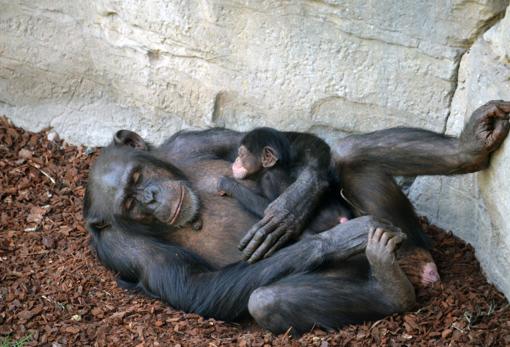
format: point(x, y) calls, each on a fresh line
point(187, 207)
point(177, 211)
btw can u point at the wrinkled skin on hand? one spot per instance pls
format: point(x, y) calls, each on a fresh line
point(486, 129)
point(284, 218)
point(269, 234)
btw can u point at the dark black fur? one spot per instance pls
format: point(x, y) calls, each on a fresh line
point(258, 138)
point(318, 280)
point(145, 261)
point(152, 266)
point(273, 181)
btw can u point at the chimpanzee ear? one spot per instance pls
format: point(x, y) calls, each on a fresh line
point(129, 138)
point(269, 157)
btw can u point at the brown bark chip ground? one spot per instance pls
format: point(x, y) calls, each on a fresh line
point(53, 291)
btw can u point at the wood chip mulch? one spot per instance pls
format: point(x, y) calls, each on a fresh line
point(54, 292)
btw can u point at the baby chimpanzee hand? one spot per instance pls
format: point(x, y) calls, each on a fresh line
point(225, 185)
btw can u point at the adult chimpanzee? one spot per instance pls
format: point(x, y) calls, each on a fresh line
point(267, 156)
point(140, 201)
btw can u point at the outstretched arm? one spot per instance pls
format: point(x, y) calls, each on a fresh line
point(410, 151)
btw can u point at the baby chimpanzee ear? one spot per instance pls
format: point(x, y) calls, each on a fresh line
point(269, 157)
point(129, 138)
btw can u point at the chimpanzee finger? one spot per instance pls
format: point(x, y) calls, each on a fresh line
point(392, 244)
point(397, 237)
point(371, 233)
point(384, 237)
point(504, 106)
point(377, 234)
point(268, 243)
point(279, 244)
point(249, 235)
point(497, 112)
point(392, 228)
point(488, 107)
point(498, 134)
point(258, 237)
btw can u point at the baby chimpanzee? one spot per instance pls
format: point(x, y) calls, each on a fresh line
point(269, 157)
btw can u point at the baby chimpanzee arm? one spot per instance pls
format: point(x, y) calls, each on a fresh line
point(250, 200)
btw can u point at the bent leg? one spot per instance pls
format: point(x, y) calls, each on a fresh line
point(371, 191)
point(303, 301)
point(331, 300)
point(187, 282)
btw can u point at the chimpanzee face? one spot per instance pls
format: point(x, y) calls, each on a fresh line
point(129, 183)
point(152, 192)
point(246, 164)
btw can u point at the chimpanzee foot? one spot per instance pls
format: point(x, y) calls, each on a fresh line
point(347, 239)
point(397, 291)
point(381, 248)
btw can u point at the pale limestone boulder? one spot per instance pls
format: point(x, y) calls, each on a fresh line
point(88, 68)
point(476, 207)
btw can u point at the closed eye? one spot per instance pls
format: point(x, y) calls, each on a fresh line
point(129, 203)
point(100, 226)
point(136, 177)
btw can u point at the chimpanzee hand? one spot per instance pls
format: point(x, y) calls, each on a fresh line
point(487, 127)
point(225, 185)
point(284, 218)
point(277, 227)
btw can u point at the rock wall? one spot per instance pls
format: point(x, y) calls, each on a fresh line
point(88, 68)
point(475, 206)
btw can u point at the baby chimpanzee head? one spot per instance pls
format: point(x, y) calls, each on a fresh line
point(260, 149)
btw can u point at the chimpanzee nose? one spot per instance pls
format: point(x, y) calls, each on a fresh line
point(148, 195)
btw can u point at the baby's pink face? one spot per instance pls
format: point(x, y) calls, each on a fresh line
point(238, 170)
point(246, 164)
